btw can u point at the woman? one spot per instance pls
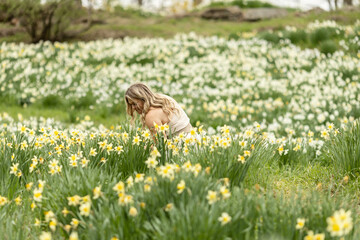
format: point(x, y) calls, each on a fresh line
point(156, 108)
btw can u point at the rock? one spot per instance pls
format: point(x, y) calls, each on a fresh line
point(256, 14)
point(10, 31)
point(316, 10)
point(350, 8)
point(233, 13)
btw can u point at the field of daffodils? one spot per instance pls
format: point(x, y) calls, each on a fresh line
point(264, 115)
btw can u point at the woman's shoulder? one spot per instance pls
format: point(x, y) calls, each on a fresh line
point(156, 114)
point(154, 111)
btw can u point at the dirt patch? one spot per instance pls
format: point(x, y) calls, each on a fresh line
point(6, 32)
point(119, 21)
point(129, 21)
point(102, 34)
point(266, 28)
point(339, 18)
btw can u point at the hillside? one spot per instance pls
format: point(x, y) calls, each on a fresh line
point(132, 23)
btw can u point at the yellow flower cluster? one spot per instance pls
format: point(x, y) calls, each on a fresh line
point(340, 224)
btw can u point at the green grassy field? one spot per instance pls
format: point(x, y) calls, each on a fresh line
point(274, 152)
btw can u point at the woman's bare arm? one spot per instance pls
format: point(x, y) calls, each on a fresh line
point(151, 118)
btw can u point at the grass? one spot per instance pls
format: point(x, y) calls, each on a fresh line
point(131, 23)
point(63, 115)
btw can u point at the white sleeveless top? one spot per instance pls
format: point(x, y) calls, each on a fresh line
point(179, 120)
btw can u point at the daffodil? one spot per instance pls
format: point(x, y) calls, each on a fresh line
point(241, 159)
point(168, 207)
point(3, 200)
point(97, 192)
point(92, 152)
point(74, 223)
point(309, 236)
point(85, 209)
point(14, 168)
point(300, 223)
point(74, 236)
point(151, 162)
point(38, 195)
point(37, 222)
point(119, 187)
point(225, 192)
point(139, 177)
point(211, 197)
point(340, 223)
point(49, 215)
point(136, 140)
point(45, 236)
point(65, 212)
point(225, 218)
point(133, 212)
point(74, 200)
point(53, 224)
point(18, 201)
point(119, 149)
point(181, 186)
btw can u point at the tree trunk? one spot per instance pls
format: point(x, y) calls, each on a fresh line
point(33, 32)
point(348, 2)
point(89, 24)
point(336, 4)
point(47, 17)
point(140, 2)
point(330, 6)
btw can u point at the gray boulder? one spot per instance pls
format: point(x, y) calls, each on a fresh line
point(256, 14)
point(233, 13)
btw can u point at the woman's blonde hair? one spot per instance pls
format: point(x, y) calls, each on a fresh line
point(142, 92)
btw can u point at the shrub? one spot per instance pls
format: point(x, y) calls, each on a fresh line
point(319, 35)
point(328, 47)
point(233, 36)
point(242, 4)
point(83, 102)
point(52, 101)
point(258, 4)
point(270, 37)
point(7, 10)
point(297, 36)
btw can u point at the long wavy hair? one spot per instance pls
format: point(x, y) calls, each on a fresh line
point(142, 92)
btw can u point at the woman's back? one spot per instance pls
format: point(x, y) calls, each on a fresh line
point(178, 119)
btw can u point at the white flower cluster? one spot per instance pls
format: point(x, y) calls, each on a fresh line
point(323, 24)
point(234, 82)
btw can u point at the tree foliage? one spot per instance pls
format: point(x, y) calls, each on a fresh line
point(7, 10)
point(52, 20)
